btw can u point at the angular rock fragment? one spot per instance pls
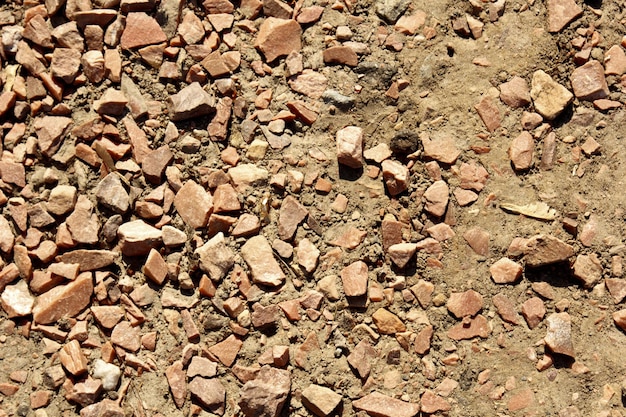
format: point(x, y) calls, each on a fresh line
point(111, 193)
point(543, 250)
point(380, 405)
point(489, 114)
point(521, 151)
point(155, 267)
point(216, 258)
point(476, 327)
point(506, 308)
point(126, 336)
point(617, 288)
point(209, 393)
point(464, 304)
point(89, 260)
point(176, 379)
point(51, 130)
point(266, 394)
point(588, 81)
point(138, 238)
point(361, 358)
point(432, 403)
point(64, 300)
point(73, 359)
point(340, 55)
point(350, 146)
point(559, 334)
point(478, 240)
point(387, 322)
point(549, 97)
point(292, 213)
point(533, 311)
point(396, 176)
point(193, 204)
point(515, 92)
point(320, 400)
point(588, 269)
point(278, 37)
point(391, 10)
point(141, 30)
point(16, 300)
point(402, 253)
point(259, 256)
point(192, 101)
point(562, 12)
point(354, 279)
point(308, 255)
point(437, 196)
point(505, 271)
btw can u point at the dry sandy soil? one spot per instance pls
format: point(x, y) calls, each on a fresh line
point(443, 74)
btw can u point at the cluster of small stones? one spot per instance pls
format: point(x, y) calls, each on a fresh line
point(70, 251)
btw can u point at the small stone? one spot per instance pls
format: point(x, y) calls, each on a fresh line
point(278, 37)
point(350, 146)
point(521, 151)
point(89, 260)
point(342, 55)
point(441, 232)
point(107, 316)
point(396, 176)
point(309, 14)
point(210, 393)
point(409, 24)
point(354, 279)
point(562, 12)
point(515, 92)
point(489, 114)
point(619, 317)
point(533, 311)
point(94, 69)
point(193, 204)
point(351, 238)
point(588, 269)
point(105, 407)
point(225, 199)
point(216, 258)
point(521, 400)
point(65, 64)
point(530, 121)
point(292, 213)
point(247, 225)
point(111, 193)
point(478, 240)
point(543, 250)
point(478, 326)
point(258, 254)
point(16, 300)
point(361, 358)
point(387, 322)
point(443, 149)
point(176, 379)
point(112, 102)
point(617, 288)
point(550, 98)
point(191, 28)
point(615, 61)
point(138, 238)
point(506, 308)
point(378, 153)
point(464, 304)
point(505, 271)
point(192, 101)
point(247, 175)
point(51, 130)
point(464, 197)
point(155, 267)
point(155, 162)
point(126, 336)
point(436, 197)
point(308, 255)
point(266, 394)
point(391, 10)
point(73, 359)
point(141, 30)
point(588, 81)
point(320, 400)
point(108, 373)
point(380, 405)
point(203, 367)
point(401, 253)
point(432, 403)
point(559, 334)
point(64, 300)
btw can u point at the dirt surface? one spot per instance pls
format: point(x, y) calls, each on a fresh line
point(446, 74)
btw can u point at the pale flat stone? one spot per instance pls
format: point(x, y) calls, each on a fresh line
point(550, 98)
point(138, 237)
point(380, 405)
point(320, 400)
point(259, 256)
point(64, 300)
point(216, 258)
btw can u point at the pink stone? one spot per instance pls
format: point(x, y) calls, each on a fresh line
point(141, 30)
point(380, 405)
point(521, 151)
point(588, 81)
point(278, 37)
point(489, 113)
point(193, 204)
point(464, 304)
point(478, 240)
point(350, 146)
point(533, 311)
point(515, 92)
point(561, 12)
point(436, 197)
point(559, 334)
point(396, 176)
point(354, 279)
point(505, 271)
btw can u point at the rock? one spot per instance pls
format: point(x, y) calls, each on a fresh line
point(309, 14)
point(7, 239)
point(588, 269)
point(111, 193)
point(432, 403)
point(126, 336)
point(515, 92)
point(489, 114)
point(559, 334)
point(193, 204)
point(105, 407)
point(396, 176)
point(305, 351)
point(443, 149)
point(16, 300)
point(350, 239)
point(387, 322)
point(361, 358)
point(64, 300)
point(465, 304)
point(473, 176)
point(155, 267)
point(154, 164)
point(409, 24)
point(141, 30)
point(617, 288)
point(191, 28)
point(615, 61)
point(73, 359)
point(83, 224)
point(107, 316)
point(380, 405)
point(51, 130)
point(259, 256)
point(378, 153)
point(436, 197)
point(112, 102)
point(401, 253)
point(89, 260)
point(350, 146)
point(533, 311)
point(226, 350)
point(200, 366)
point(173, 237)
point(247, 174)
point(292, 213)
point(65, 64)
point(505, 271)
point(61, 200)
point(588, 81)
point(441, 232)
point(520, 400)
point(85, 392)
point(561, 12)
point(549, 97)
point(321, 401)
point(521, 151)
point(506, 309)
point(265, 395)
point(176, 379)
point(338, 100)
point(543, 250)
point(391, 10)
point(192, 101)
point(423, 291)
point(342, 55)
point(619, 317)
point(308, 255)
point(354, 279)
point(209, 393)
point(310, 83)
point(216, 258)
point(278, 37)
point(478, 240)
point(138, 238)
point(108, 373)
point(478, 326)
